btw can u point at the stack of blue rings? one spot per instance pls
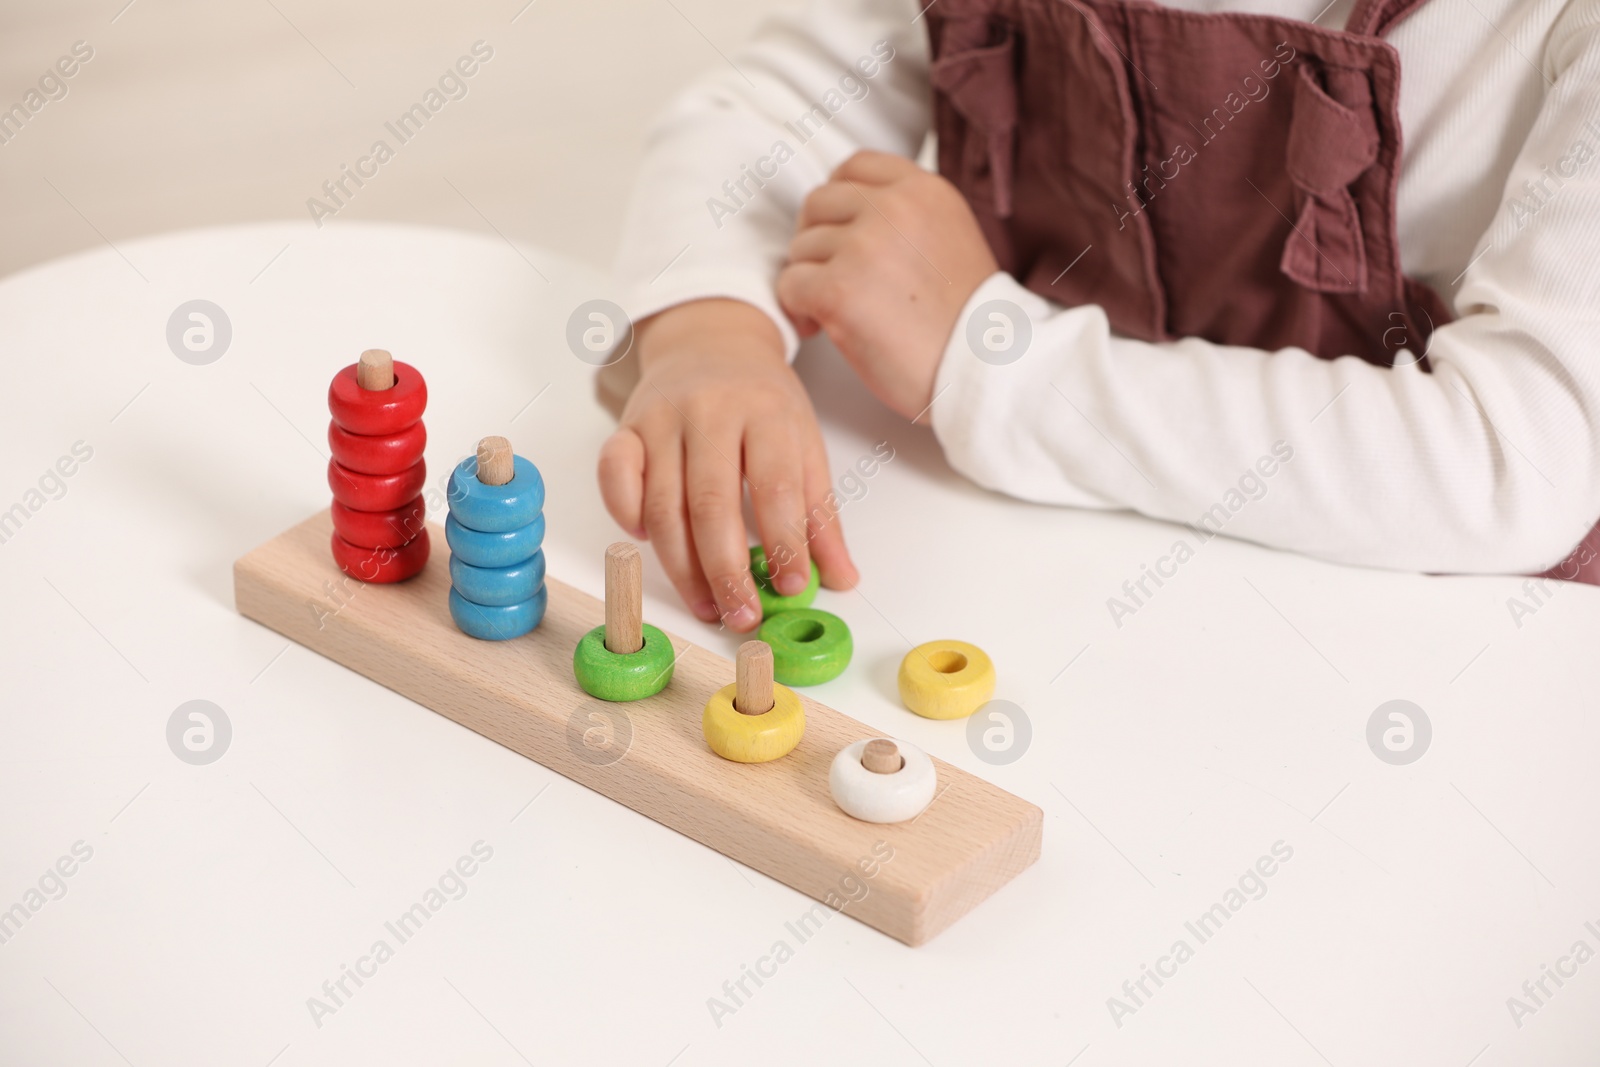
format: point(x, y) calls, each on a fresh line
point(496, 565)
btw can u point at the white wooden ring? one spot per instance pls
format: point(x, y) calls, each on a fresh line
point(882, 798)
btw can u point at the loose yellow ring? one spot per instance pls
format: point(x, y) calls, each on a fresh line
point(753, 738)
point(946, 679)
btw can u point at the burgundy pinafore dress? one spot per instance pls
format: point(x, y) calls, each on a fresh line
point(1234, 173)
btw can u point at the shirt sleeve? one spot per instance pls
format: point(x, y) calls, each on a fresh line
point(730, 162)
point(1491, 463)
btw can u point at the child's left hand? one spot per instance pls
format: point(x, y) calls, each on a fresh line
point(884, 257)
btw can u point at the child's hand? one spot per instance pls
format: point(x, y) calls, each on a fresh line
point(884, 257)
point(717, 408)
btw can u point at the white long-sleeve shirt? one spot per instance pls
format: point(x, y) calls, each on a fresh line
point(1491, 463)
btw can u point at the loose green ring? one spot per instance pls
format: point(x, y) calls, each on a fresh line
point(772, 601)
point(623, 676)
point(809, 647)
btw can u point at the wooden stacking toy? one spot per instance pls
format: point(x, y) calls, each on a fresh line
point(882, 781)
point(753, 720)
point(772, 601)
point(495, 528)
point(624, 658)
point(536, 695)
point(809, 646)
point(946, 679)
point(380, 531)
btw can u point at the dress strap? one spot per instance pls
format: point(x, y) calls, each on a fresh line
point(1375, 18)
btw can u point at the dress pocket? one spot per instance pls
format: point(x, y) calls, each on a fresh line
point(1331, 145)
point(977, 74)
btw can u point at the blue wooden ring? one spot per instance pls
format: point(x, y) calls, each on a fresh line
point(497, 587)
point(495, 508)
point(480, 549)
point(497, 623)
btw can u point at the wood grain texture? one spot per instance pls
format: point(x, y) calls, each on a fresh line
point(624, 598)
point(495, 461)
point(777, 817)
point(375, 370)
point(752, 666)
point(881, 756)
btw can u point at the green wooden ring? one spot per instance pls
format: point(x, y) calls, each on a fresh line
point(623, 676)
point(809, 647)
point(772, 601)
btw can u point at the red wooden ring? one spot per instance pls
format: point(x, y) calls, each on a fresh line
point(372, 454)
point(380, 529)
point(376, 492)
point(377, 412)
point(381, 564)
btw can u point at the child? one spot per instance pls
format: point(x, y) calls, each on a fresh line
point(1174, 257)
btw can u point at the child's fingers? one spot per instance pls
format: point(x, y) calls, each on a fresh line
point(823, 530)
point(816, 244)
point(874, 168)
point(777, 484)
point(831, 204)
point(801, 292)
point(714, 492)
point(664, 522)
point(622, 480)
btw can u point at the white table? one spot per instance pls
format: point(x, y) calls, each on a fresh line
point(1169, 754)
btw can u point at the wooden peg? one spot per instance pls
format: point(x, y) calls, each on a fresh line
point(624, 599)
point(881, 756)
point(753, 674)
point(494, 461)
point(375, 370)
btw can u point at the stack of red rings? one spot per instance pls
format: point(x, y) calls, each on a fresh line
point(377, 472)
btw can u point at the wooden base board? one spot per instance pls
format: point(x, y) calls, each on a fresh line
point(778, 817)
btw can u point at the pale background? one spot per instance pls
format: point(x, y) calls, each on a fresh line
point(1168, 753)
point(197, 113)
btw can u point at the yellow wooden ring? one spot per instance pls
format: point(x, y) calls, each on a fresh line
point(946, 679)
point(753, 738)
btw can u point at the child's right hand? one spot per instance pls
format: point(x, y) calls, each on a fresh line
point(716, 408)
